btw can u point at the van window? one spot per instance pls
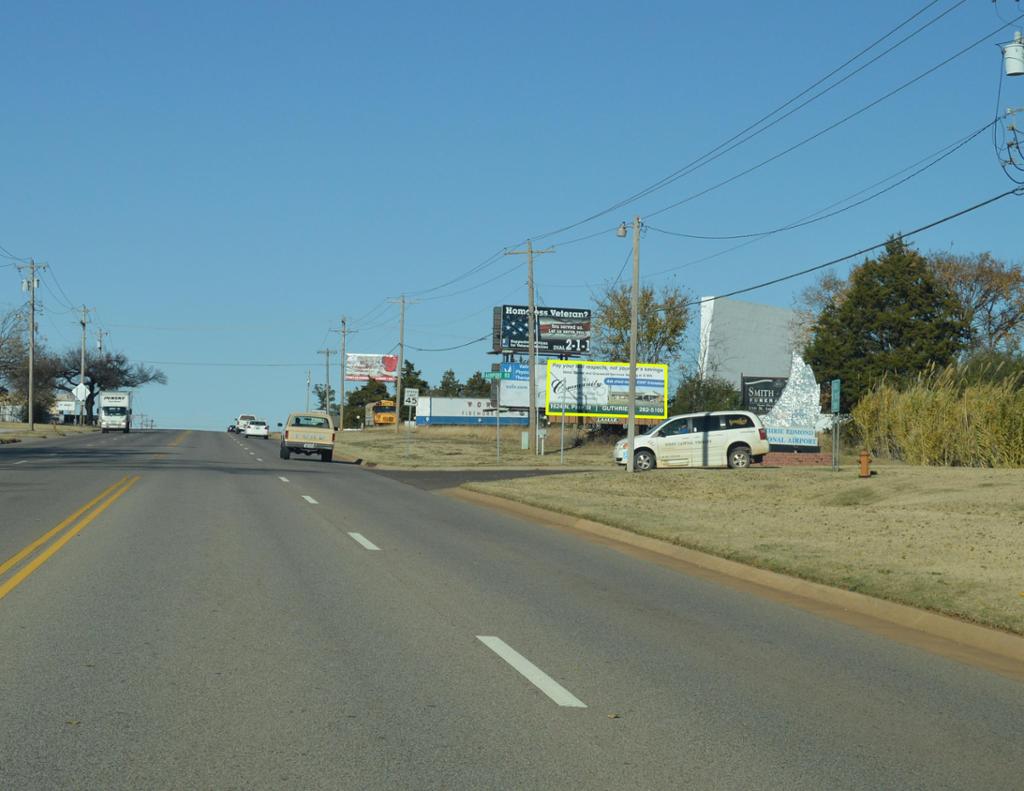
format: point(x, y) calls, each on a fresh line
point(703, 423)
point(738, 421)
point(675, 427)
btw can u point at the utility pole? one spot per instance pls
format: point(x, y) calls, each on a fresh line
point(344, 371)
point(402, 301)
point(308, 382)
point(99, 340)
point(30, 284)
point(633, 308)
point(327, 377)
point(81, 376)
point(531, 315)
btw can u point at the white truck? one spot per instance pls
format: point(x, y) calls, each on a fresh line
point(115, 412)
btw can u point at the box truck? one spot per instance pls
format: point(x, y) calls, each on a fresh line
point(115, 412)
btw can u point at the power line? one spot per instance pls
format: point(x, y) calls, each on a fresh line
point(1016, 191)
point(699, 161)
point(935, 158)
point(452, 348)
point(828, 128)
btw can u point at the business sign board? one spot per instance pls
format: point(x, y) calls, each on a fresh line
point(599, 389)
point(761, 392)
point(514, 386)
point(558, 331)
point(363, 367)
point(439, 411)
point(792, 436)
point(68, 406)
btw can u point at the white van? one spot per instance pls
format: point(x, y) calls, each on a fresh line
point(705, 439)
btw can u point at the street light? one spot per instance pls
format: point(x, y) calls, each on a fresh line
point(633, 303)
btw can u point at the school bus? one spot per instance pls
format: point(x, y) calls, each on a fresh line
point(381, 413)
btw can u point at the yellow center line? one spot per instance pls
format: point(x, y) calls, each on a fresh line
point(179, 439)
point(16, 559)
point(51, 550)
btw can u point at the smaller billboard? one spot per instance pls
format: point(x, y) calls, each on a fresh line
point(561, 331)
point(599, 389)
point(363, 367)
point(761, 392)
point(514, 386)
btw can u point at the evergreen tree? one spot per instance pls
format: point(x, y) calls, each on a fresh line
point(411, 378)
point(356, 401)
point(477, 387)
point(450, 386)
point(698, 393)
point(895, 319)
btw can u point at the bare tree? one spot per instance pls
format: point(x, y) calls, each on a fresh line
point(992, 295)
point(827, 289)
point(662, 322)
point(109, 371)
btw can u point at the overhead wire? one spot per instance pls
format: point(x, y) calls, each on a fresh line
point(450, 348)
point(1019, 191)
point(824, 214)
point(699, 161)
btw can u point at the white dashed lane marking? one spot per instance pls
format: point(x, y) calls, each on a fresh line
point(366, 543)
point(309, 500)
point(532, 673)
point(282, 478)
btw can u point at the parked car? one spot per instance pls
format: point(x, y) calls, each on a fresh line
point(257, 428)
point(707, 439)
point(309, 433)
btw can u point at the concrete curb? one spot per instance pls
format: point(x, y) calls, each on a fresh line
point(975, 644)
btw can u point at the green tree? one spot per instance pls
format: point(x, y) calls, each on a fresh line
point(411, 378)
point(450, 386)
point(662, 320)
point(328, 404)
point(698, 393)
point(356, 401)
point(477, 387)
point(895, 319)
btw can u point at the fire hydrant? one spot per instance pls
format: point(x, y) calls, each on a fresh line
point(865, 464)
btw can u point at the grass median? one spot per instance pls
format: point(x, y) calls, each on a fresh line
point(944, 539)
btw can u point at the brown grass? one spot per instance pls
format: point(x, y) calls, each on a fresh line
point(20, 431)
point(465, 446)
point(949, 540)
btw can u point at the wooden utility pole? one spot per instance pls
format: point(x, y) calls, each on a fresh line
point(402, 302)
point(344, 371)
point(81, 376)
point(30, 284)
point(531, 317)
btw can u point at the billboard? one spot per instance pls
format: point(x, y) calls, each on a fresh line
point(559, 331)
point(598, 389)
point(363, 367)
point(515, 389)
point(761, 392)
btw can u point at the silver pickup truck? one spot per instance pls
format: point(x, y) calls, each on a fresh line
point(309, 433)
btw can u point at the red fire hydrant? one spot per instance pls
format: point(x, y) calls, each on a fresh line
point(865, 464)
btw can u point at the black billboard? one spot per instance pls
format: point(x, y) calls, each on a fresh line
point(761, 392)
point(558, 331)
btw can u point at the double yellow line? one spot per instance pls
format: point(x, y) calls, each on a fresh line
point(71, 527)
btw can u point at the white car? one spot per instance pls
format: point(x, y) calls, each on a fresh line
point(241, 422)
point(704, 439)
point(257, 428)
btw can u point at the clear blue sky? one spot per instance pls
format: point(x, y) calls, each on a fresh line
point(222, 182)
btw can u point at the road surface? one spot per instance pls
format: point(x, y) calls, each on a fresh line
point(204, 614)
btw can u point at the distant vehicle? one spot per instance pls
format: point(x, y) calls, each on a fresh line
point(231, 429)
point(309, 433)
point(257, 428)
point(381, 413)
point(242, 421)
point(115, 411)
point(706, 439)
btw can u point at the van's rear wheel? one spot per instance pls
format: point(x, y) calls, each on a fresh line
point(285, 453)
point(326, 455)
point(739, 457)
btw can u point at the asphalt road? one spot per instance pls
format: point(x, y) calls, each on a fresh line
point(220, 618)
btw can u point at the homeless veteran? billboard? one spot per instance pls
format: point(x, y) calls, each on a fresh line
point(598, 389)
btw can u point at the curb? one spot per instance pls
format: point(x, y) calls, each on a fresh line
point(1000, 651)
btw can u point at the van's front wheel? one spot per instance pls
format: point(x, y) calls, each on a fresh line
point(739, 457)
point(643, 460)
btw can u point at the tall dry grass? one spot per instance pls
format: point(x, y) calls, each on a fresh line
point(946, 418)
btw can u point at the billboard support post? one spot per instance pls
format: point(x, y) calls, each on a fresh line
point(633, 321)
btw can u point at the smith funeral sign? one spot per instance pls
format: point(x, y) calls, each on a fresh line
point(558, 331)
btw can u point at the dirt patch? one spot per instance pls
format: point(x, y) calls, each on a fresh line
point(949, 540)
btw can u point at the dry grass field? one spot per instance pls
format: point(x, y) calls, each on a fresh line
point(460, 446)
point(20, 431)
point(945, 539)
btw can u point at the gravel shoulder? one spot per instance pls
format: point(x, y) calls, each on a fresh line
point(942, 539)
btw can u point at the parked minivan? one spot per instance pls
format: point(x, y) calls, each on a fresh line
point(705, 439)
